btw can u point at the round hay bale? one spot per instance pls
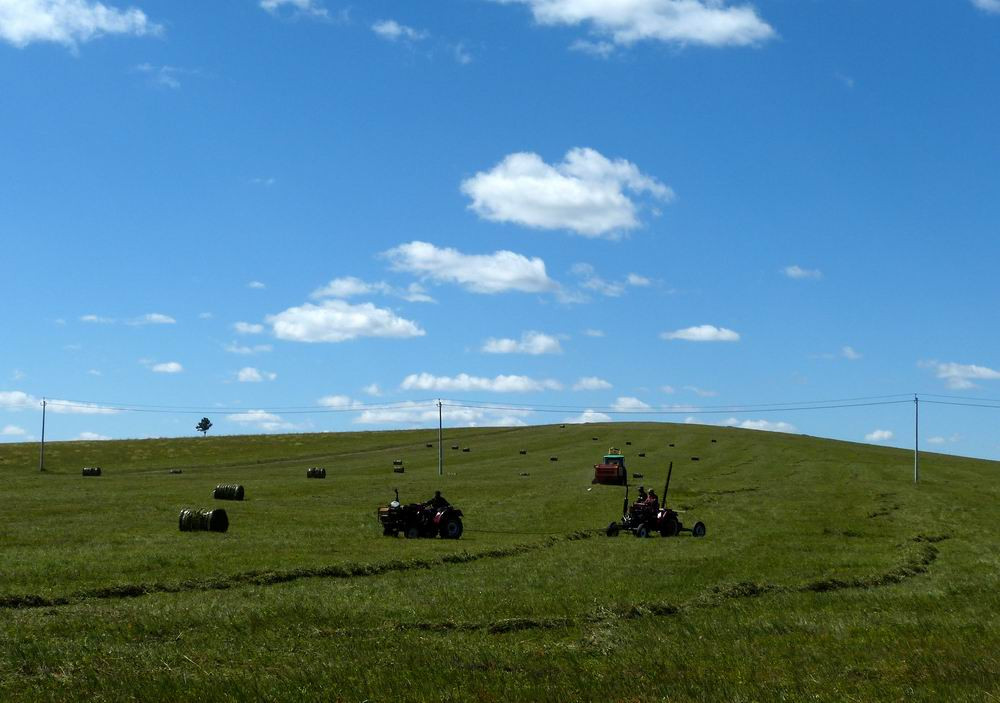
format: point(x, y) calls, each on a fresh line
point(454, 446)
point(398, 469)
point(553, 458)
point(466, 449)
point(91, 470)
point(595, 438)
point(628, 444)
point(430, 446)
point(315, 472)
point(397, 462)
point(523, 451)
point(642, 454)
point(193, 520)
point(695, 458)
point(228, 491)
point(176, 471)
point(671, 444)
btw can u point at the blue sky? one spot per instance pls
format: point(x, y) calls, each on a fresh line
point(261, 209)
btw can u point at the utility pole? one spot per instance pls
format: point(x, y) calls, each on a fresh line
point(41, 455)
point(440, 445)
point(916, 439)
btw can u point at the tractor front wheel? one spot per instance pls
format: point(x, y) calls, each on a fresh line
point(612, 530)
point(698, 530)
point(642, 531)
point(452, 529)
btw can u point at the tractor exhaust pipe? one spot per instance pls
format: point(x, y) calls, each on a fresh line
point(666, 487)
point(625, 502)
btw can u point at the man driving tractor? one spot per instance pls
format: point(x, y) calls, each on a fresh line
point(437, 502)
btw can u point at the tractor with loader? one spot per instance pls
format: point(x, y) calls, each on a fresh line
point(646, 517)
point(430, 519)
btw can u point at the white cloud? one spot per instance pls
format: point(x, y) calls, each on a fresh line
point(68, 22)
point(248, 328)
point(625, 22)
point(702, 392)
point(669, 390)
point(479, 273)
point(256, 285)
point(298, 7)
point(94, 372)
point(248, 374)
point(629, 404)
point(412, 414)
point(798, 272)
point(594, 333)
point(372, 390)
point(988, 5)
point(92, 436)
point(879, 436)
point(703, 333)
point(261, 420)
point(764, 425)
point(339, 321)
point(97, 319)
point(165, 76)
point(167, 367)
point(961, 376)
point(153, 318)
point(205, 316)
point(589, 280)
point(235, 348)
point(13, 431)
point(944, 440)
point(351, 286)
point(601, 49)
point(461, 54)
point(336, 401)
point(465, 382)
point(392, 30)
point(19, 400)
point(584, 193)
point(591, 383)
point(533, 343)
point(588, 416)
point(634, 279)
point(850, 353)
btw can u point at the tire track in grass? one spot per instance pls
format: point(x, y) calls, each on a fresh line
point(268, 578)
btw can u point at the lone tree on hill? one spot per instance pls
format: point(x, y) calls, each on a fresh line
point(204, 426)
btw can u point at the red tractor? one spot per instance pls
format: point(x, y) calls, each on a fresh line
point(645, 517)
point(436, 517)
point(612, 470)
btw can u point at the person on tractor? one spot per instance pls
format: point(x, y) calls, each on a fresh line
point(437, 502)
point(652, 501)
point(642, 495)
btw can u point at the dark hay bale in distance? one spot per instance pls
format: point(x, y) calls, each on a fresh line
point(429, 445)
point(91, 470)
point(524, 473)
point(629, 444)
point(398, 469)
point(397, 462)
point(694, 458)
point(595, 438)
point(466, 449)
point(315, 472)
point(523, 451)
point(454, 446)
point(636, 475)
point(176, 471)
point(671, 444)
point(228, 491)
point(714, 441)
point(642, 454)
point(192, 520)
point(553, 458)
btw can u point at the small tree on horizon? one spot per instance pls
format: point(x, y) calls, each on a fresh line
point(204, 426)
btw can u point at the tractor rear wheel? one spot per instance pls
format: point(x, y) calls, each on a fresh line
point(641, 531)
point(412, 532)
point(670, 528)
point(612, 530)
point(388, 532)
point(698, 530)
point(452, 529)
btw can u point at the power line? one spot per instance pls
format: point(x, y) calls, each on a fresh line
point(687, 410)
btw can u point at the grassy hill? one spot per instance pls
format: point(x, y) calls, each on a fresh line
point(826, 573)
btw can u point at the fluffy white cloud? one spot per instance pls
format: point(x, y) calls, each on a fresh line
point(68, 22)
point(412, 414)
point(465, 382)
point(336, 401)
point(702, 392)
point(534, 343)
point(351, 286)
point(879, 436)
point(19, 400)
point(13, 431)
point(594, 333)
point(248, 374)
point(588, 416)
point(944, 440)
point(392, 30)
point(585, 193)
point(167, 367)
point(961, 376)
point(669, 390)
point(629, 404)
point(634, 279)
point(372, 390)
point(339, 321)
point(92, 436)
point(703, 333)
point(988, 5)
point(301, 7)
point(798, 272)
point(591, 383)
point(850, 353)
point(479, 273)
point(153, 318)
point(97, 319)
point(235, 348)
point(256, 285)
point(261, 420)
point(706, 22)
point(764, 425)
point(248, 328)
point(589, 280)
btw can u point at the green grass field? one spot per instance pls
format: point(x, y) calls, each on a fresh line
point(826, 574)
